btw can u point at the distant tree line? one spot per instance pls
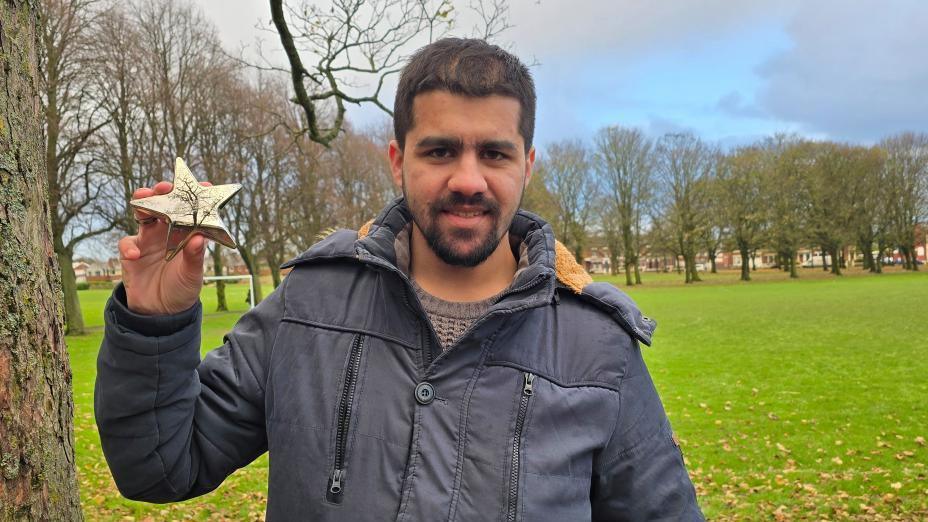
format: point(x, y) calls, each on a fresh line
point(681, 197)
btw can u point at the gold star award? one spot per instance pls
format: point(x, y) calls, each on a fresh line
point(190, 208)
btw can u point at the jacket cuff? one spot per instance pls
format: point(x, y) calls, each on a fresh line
point(120, 316)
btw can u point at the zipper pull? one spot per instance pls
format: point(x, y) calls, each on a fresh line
point(337, 477)
point(529, 382)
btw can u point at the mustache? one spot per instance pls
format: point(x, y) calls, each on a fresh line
point(456, 199)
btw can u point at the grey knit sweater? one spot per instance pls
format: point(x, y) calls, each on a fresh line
point(451, 319)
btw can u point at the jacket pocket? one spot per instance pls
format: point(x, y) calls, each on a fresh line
point(346, 401)
point(516, 460)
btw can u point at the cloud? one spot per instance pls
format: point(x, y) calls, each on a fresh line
point(856, 70)
point(735, 104)
point(628, 28)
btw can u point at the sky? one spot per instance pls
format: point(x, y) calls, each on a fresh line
point(731, 72)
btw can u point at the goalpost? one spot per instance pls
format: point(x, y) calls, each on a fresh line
point(251, 284)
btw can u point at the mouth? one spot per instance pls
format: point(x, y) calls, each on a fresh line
point(464, 217)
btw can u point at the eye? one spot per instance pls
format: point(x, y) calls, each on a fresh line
point(494, 155)
point(440, 153)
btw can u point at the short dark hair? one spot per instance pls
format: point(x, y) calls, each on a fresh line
point(468, 67)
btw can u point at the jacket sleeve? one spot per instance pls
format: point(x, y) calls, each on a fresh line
point(640, 474)
point(173, 427)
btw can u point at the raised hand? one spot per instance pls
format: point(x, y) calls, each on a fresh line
point(155, 286)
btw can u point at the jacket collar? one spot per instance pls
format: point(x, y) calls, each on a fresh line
point(550, 264)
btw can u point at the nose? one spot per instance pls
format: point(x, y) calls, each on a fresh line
point(467, 178)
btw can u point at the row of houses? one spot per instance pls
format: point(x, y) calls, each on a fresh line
point(598, 262)
point(89, 271)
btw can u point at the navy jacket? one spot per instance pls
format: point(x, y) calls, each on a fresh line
point(543, 410)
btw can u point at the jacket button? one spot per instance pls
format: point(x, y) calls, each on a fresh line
point(424, 393)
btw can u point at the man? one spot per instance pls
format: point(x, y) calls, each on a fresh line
point(450, 361)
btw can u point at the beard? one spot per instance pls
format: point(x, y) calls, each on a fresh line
point(447, 245)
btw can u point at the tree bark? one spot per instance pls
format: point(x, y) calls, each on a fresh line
point(745, 263)
point(274, 266)
point(251, 262)
point(221, 304)
point(637, 274)
point(37, 475)
point(695, 278)
point(793, 272)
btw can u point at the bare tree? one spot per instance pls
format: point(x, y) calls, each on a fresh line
point(569, 175)
point(787, 195)
point(218, 138)
point(183, 54)
point(358, 176)
point(625, 163)
point(72, 116)
point(356, 45)
point(907, 174)
point(683, 164)
point(742, 200)
point(864, 185)
point(36, 410)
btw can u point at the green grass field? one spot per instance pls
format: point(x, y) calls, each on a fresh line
point(793, 400)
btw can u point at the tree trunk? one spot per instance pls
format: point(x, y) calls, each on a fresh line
point(712, 261)
point(74, 319)
point(36, 410)
point(835, 262)
point(868, 263)
point(745, 266)
point(913, 260)
point(274, 265)
point(793, 272)
point(251, 263)
point(695, 275)
point(221, 304)
point(637, 274)
point(825, 260)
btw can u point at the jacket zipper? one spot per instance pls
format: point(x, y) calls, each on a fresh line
point(527, 391)
point(337, 478)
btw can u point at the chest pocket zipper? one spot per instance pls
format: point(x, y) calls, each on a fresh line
point(527, 391)
point(336, 485)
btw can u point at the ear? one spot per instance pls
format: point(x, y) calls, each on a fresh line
point(529, 163)
point(396, 163)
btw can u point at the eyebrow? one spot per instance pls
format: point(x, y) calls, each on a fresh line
point(497, 145)
point(439, 141)
point(456, 143)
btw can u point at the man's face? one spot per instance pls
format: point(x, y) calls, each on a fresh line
point(463, 170)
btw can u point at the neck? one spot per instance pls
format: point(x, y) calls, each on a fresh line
point(459, 283)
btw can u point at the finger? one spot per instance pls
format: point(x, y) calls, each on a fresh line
point(193, 254)
point(128, 248)
point(142, 192)
point(163, 187)
point(206, 184)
